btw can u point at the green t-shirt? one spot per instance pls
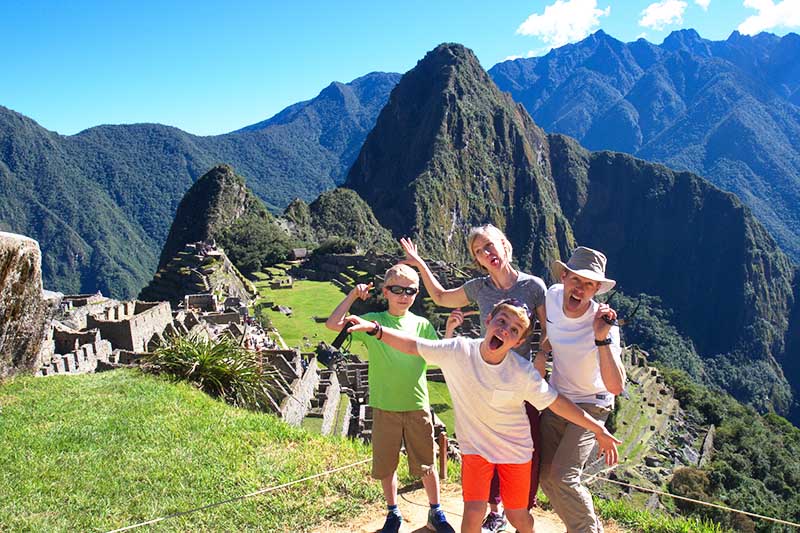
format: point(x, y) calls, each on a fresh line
point(396, 380)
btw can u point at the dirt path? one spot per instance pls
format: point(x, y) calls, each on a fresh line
point(414, 506)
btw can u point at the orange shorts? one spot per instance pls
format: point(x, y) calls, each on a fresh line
point(476, 477)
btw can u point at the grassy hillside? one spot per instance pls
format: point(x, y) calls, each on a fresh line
point(102, 451)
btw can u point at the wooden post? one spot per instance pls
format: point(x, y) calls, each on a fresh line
point(443, 455)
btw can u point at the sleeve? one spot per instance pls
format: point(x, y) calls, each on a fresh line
point(538, 291)
point(427, 331)
point(539, 392)
point(439, 351)
point(471, 289)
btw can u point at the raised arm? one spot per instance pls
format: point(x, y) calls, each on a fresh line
point(540, 358)
point(564, 408)
point(336, 321)
point(399, 340)
point(612, 370)
point(445, 297)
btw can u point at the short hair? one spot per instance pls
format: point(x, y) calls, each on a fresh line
point(516, 308)
point(489, 231)
point(401, 271)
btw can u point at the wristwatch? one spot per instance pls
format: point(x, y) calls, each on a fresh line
point(604, 342)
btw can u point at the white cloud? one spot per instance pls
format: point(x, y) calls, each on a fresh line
point(703, 4)
point(785, 14)
point(563, 22)
point(660, 14)
point(642, 35)
point(539, 52)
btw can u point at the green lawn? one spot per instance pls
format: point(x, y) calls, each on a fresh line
point(442, 405)
point(308, 300)
point(102, 451)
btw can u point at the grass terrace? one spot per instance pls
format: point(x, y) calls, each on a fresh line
point(102, 451)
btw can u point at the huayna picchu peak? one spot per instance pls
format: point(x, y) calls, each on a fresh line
point(450, 151)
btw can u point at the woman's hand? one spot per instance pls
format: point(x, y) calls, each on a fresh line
point(455, 319)
point(412, 256)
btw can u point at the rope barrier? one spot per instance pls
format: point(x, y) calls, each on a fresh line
point(237, 498)
point(692, 500)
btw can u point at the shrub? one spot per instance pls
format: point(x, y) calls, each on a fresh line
point(337, 245)
point(221, 368)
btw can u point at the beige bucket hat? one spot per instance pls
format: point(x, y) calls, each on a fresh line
point(586, 263)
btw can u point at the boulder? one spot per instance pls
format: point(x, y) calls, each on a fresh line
point(23, 311)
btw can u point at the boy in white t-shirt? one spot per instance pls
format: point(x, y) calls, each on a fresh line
point(488, 384)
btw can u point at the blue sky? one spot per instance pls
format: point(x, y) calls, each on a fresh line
point(210, 67)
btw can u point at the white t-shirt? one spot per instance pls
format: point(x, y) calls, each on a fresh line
point(488, 399)
point(576, 363)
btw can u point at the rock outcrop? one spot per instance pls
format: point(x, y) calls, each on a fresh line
point(23, 311)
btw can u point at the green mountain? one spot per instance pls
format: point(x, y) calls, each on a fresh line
point(450, 150)
point(726, 110)
point(220, 207)
point(101, 202)
point(338, 215)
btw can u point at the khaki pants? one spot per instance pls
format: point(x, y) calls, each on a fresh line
point(390, 429)
point(565, 450)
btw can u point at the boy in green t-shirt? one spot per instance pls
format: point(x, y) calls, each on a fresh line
point(398, 394)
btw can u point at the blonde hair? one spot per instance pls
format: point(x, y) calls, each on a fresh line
point(488, 231)
point(400, 271)
point(519, 312)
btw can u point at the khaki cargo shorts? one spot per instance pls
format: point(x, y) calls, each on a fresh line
point(389, 430)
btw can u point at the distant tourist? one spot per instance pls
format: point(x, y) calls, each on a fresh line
point(489, 384)
point(588, 370)
point(398, 394)
point(492, 250)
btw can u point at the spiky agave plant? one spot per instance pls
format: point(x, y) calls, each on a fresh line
point(221, 368)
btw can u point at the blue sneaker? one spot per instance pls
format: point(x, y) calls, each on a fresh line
point(438, 522)
point(393, 523)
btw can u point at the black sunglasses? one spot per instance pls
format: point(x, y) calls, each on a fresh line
point(517, 303)
point(397, 289)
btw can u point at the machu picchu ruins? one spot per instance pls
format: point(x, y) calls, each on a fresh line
point(199, 292)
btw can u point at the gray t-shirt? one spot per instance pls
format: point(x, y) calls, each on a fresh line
point(528, 289)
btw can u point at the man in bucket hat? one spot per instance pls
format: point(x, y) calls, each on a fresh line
point(588, 370)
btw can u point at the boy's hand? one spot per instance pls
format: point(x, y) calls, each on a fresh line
point(608, 445)
point(601, 325)
point(359, 324)
point(412, 256)
point(361, 291)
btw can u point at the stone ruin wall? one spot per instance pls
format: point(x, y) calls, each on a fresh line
point(131, 325)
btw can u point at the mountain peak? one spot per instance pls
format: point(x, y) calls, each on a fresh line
point(213, 203)
point(688, 40)
point(448, 133)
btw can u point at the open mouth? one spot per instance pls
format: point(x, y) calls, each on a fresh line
point(573, 303)
point(495, 342)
